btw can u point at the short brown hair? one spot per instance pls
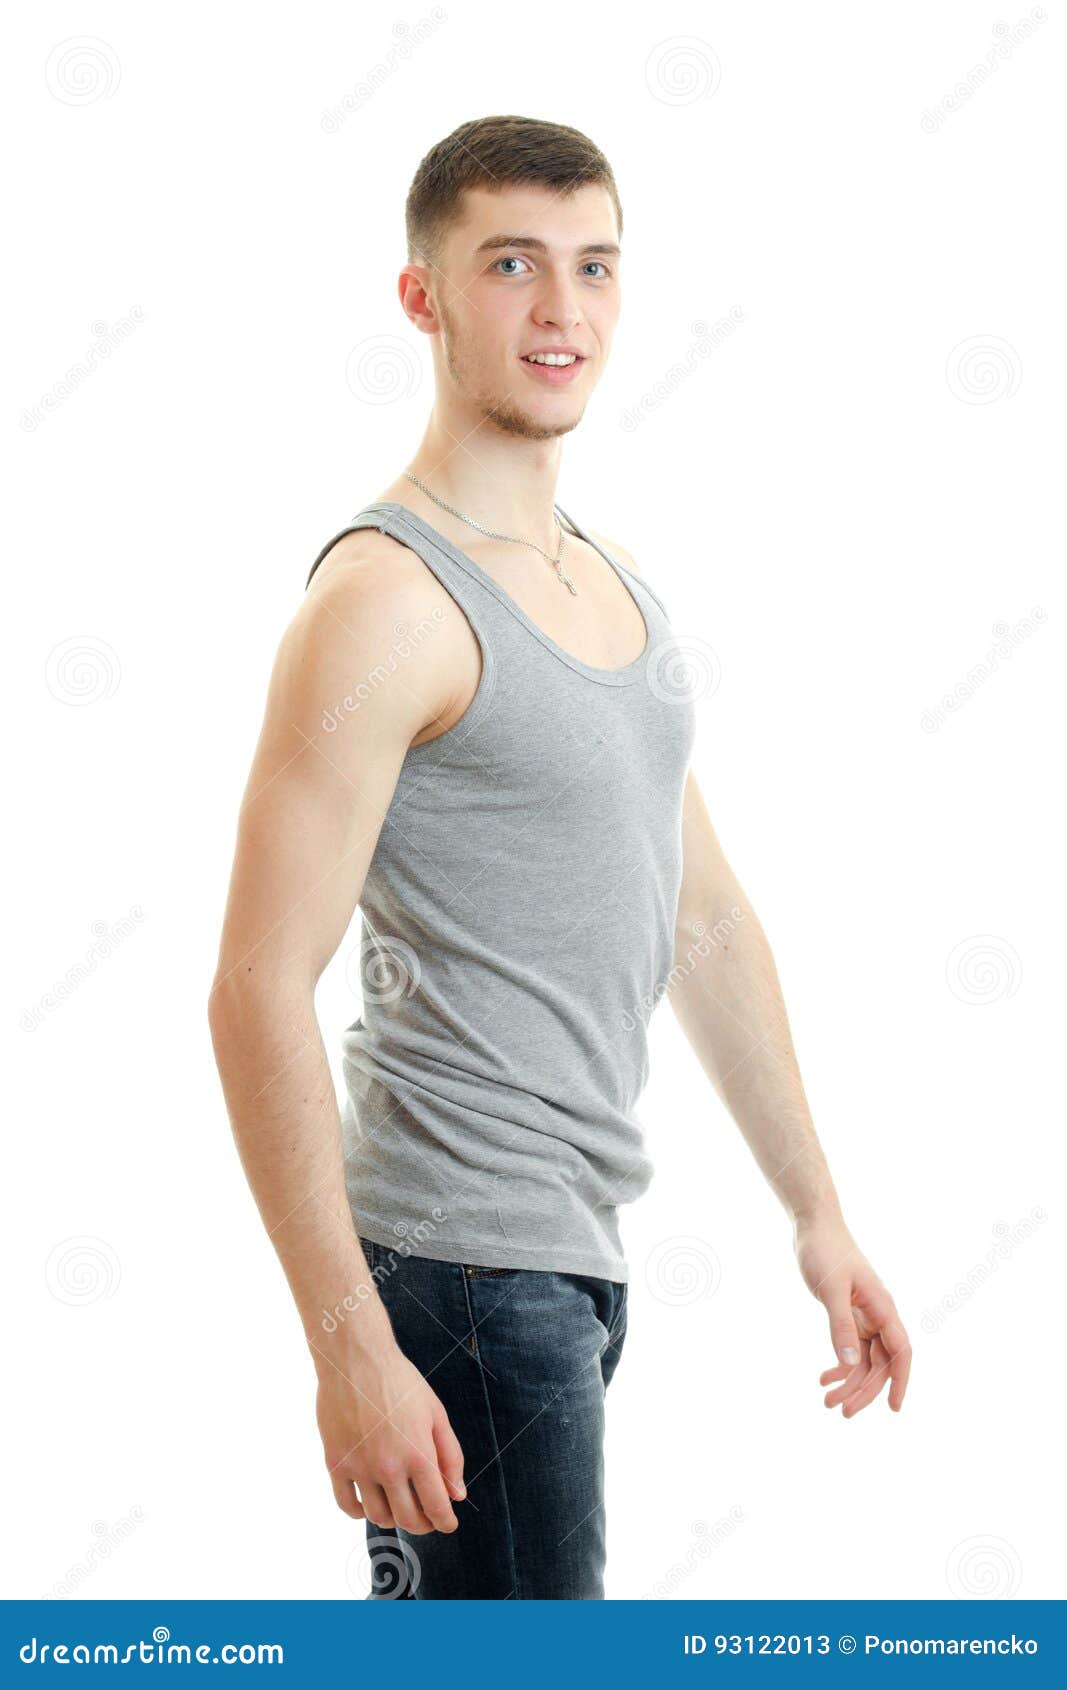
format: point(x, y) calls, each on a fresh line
point(494, 152)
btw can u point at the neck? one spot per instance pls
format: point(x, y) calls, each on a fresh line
point(501, 481)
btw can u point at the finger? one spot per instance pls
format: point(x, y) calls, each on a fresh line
point(375, 1505)
point(430, 1490)
point(406, 1509)
point(854, 1377)
point(876, 1378)
point(345, 1492)
point(895, 1340)
point(449, 1453)
point(843, 1333)
point(841, 1371)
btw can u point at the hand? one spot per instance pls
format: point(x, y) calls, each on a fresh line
point(866, 1330)
point(384, 1430)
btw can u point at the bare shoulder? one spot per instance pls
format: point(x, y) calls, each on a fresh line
point(617, 551)
point(374, 623)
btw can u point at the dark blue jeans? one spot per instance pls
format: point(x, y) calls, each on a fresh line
point(521, 1360)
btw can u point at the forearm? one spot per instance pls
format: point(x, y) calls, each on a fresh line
point(728, 999)
point(283, 1111)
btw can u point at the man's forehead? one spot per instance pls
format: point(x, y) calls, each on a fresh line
point(545, 219)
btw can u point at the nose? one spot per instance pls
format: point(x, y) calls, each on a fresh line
point(557, 306)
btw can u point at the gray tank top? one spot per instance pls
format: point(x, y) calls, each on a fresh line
point(517, 932)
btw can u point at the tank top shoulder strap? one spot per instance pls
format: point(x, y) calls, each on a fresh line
point(638, 580)
point(393, 520)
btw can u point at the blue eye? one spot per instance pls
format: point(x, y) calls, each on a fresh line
point(603, 266)
point(511, 259)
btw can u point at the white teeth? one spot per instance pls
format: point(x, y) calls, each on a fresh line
point(551, 358)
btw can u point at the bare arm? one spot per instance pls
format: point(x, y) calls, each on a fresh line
point(726, 994)
point(312, 811)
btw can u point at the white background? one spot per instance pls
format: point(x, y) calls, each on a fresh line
point(837, 501)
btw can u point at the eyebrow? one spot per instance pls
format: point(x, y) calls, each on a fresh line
point(493, 243)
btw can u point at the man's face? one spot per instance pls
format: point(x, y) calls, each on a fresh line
point(527, 269)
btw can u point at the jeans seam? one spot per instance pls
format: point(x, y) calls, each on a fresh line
point(515, 1591)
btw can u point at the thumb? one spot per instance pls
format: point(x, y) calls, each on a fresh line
point(449, 1452)
point(843, 1333)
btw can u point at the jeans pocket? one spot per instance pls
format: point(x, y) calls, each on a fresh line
point(473, 1271)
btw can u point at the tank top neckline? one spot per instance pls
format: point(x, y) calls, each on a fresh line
point(625, 676)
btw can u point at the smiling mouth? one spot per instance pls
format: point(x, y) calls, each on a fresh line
point(555, 374)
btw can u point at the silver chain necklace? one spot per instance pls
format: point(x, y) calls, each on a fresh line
point(492, 535)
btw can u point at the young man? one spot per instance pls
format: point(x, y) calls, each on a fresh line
point(471, 733)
